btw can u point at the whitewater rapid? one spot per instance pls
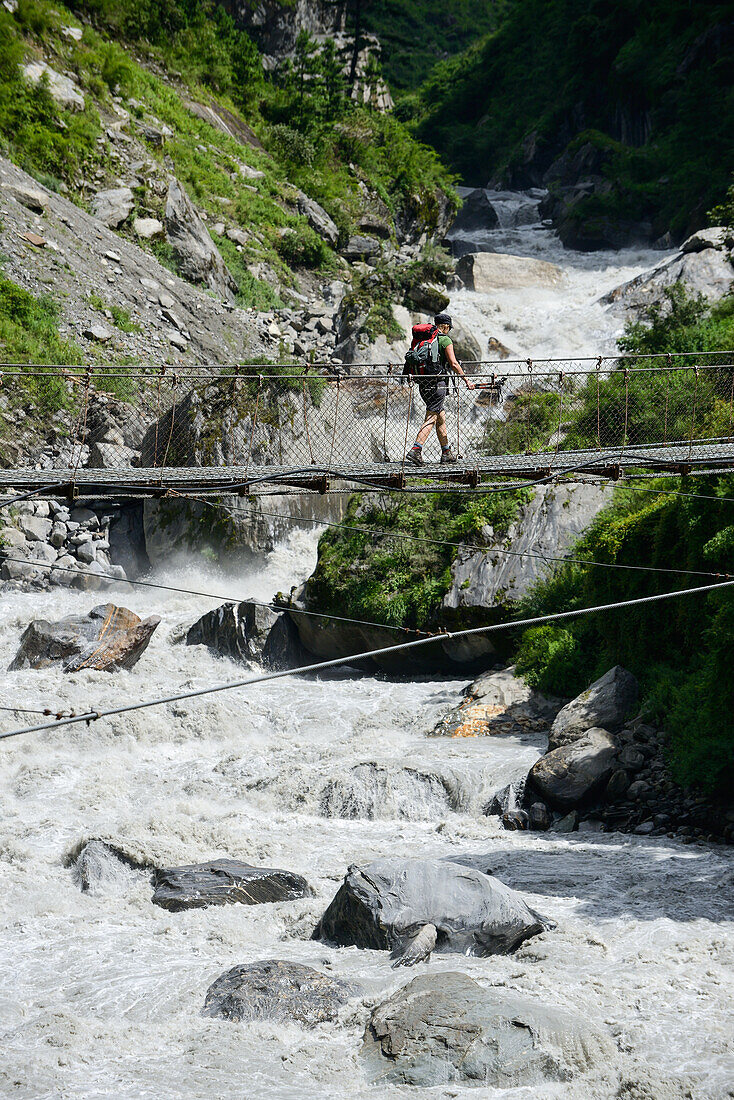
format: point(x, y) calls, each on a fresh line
point(101, 992)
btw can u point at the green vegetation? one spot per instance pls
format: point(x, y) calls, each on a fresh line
point(120, 317)
point(393, 580)
point(645, 88)
point(29, 329)
point(415, 34)
point(373, 293)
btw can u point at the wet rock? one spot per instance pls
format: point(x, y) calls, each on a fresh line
point(707, 271)
point(631, 758)
point(638, 791)
point(318, 219)
point(198, 257)
point(515, 820)
point(539, 817)
point(498, 702)
point(248, 631)
point(645, 828)
point(108, 638)
point(383, 905)
point(566, 824)
point(101, 869)
point(476, 212)
point(485, 272)
point(62, 88)
point(112, 207)
point(276, 990)
point(224, 882)
point(567, 777)
point(447, 1029)
point(605, 703)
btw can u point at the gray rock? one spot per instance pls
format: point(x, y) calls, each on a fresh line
point(708, 272)
point(276, 990)
point(63, 572)
point(617, 786)
point(20, 571)
point(86, 517)
point(57, 537)
point(486, 272)
point(566, 824)
point(148, 228)
point(113, 206)
point(110, 456)
point(360, 248)
point(247, 631)
point(569, 776)
point(43, 552)
point(35, 528)
point(631, 758)
point(384, 905)
point(550, 523)
point(638, 791)
point(85, 552)
point(12, 539)
point(466, 347)
point(99, 333)
point(108, 638)
point(538, 816)
point(445, 1029)
point(30, 197)
point(318, 219)
point(718, 237)
point(476, 212)
point(427, 299)
point(62, 88)
point(645, 828)
point(197, 255)
point(90, 578)
point(605, 703)
point(224, 882)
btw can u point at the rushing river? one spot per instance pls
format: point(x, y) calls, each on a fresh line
point(101, 992)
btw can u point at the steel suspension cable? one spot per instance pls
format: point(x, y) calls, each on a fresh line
point(319, 666)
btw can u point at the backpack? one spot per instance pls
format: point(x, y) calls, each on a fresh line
point(423, 354)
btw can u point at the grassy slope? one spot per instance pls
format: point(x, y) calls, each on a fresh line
point(560, 68)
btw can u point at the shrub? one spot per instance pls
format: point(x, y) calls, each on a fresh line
point(301, 246)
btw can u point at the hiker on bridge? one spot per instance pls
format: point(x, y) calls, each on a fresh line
point(429, 359)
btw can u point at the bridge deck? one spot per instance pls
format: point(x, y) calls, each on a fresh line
point(136, 481)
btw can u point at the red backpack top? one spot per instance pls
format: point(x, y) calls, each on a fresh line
point(423, 354)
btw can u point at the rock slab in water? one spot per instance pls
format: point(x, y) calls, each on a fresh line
point(248, 631)
point(445, 1029)
point(276, 990)
point(567, 777)
point(383, 905)
point(106, 639)
point(604, 704)
point(485, 272)
point(224, 882)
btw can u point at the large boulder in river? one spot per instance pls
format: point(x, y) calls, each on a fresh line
point(476, 212)
point(445, 1029)
point(701, 270)
point(498, 702)
point(606, 703)
point(249, 631)
point(570, 776)
point(107, 638)
point(276, 990)
point(386, 904)
point(198, 257)
point(486, 272)
point(223, 882)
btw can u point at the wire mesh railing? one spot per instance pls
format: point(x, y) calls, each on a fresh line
point(75, 419)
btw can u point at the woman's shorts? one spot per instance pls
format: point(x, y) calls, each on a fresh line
point(433, 391)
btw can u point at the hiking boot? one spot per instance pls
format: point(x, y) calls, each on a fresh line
point(415, 456)
point(448, 456)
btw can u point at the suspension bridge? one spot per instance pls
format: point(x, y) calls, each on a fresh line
point(135, 431)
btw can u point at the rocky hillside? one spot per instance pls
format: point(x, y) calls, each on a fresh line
point(623, 111)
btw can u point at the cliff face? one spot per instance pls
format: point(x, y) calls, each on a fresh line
point(275, 25)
